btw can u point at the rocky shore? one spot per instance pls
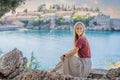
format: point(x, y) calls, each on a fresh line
point(12, 67)
point(10, 27)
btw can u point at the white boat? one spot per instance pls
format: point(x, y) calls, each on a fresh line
point(23, 29)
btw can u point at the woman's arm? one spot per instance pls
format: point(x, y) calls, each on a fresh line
point(72, 52)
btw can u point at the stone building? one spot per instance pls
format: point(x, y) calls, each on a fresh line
point(87, 13)
point(100, 22)
point(48, 16)
point(67, 18)
point(65, 13)
point(103, 20)
point(115, 24)
point(29, 13)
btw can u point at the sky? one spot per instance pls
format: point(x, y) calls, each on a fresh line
point(108, 7)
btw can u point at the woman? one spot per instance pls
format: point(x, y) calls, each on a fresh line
point(78, 66)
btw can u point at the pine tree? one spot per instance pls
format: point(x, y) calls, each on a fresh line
point(7, 5)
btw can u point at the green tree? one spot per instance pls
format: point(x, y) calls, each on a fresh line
point(38, 22)
point(91, 9)
point(50, 7)
point(25, 23)
point(0, 20)
point(69, 9)
point(95, 23)
point(56, 6)
point(61, 21)
point(74, 7)
point(40, 8)
point(49, 11)
point(62, 6)
point(82, 18)
point(7, 5)
point(25, 10)
point(97, 9)
point(65, 9)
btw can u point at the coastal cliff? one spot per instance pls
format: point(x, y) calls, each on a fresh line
point(12, 67)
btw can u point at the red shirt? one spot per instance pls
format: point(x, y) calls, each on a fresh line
point(84, 48)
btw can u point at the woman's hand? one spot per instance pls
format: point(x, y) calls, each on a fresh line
point(62, 58)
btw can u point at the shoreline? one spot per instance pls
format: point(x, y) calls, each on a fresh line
point(9, 27)
point(12, 28)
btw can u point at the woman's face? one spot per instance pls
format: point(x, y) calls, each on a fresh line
point(79, 29)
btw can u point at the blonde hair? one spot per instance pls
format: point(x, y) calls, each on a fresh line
point(75, 35)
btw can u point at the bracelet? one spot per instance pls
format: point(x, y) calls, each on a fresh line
point(64, 55)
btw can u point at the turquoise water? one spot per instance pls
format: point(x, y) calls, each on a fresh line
point(48, 46)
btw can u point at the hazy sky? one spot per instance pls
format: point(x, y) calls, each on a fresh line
point(109, 7)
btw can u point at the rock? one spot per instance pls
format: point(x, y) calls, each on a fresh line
point(37, 75)
point(11, 63)
point(97, 73)
point(113, 73)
